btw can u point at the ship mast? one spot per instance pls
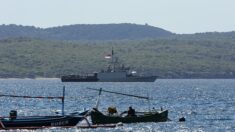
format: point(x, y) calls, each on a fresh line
point(113, 61)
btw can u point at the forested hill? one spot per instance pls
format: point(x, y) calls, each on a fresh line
point(34, 52)
point(177, 57)
point(85, 32)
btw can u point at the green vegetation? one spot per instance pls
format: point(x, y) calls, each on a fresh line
point(27, 51)
point(181, 56)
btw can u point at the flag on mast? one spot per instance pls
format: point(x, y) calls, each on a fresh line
point(112, 51)
point(108, 56)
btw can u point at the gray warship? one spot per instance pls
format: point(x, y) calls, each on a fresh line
point(115, 72)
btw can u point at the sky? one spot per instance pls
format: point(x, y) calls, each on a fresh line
point(178, 16)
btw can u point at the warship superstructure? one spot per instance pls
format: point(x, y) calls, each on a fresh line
point(115, 72)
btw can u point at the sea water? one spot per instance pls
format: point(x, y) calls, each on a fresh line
point(207, 104)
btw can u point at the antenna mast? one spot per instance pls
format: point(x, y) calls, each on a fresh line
point(113, 61)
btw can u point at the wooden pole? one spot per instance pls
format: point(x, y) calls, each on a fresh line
point(98, 100)
point(141, 97)
point(63, 100)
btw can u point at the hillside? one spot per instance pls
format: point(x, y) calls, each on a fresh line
point(180, 56)
point(85, 32)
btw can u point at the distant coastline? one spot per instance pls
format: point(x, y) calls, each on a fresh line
point(41, 78)
point(28, 52)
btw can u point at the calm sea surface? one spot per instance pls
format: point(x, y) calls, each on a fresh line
point(207, 105)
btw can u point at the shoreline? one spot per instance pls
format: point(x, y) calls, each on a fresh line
point(30, 78)
point(59, 78)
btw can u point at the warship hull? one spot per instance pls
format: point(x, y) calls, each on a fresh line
point(131, 79)
point(109, 79)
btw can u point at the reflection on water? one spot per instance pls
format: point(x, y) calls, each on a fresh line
point(208, 105)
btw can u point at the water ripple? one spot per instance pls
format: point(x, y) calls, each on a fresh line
point(208, 105)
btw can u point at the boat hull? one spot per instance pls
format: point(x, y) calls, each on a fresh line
point(47, 121)
point(78, 78)
point(99, 118)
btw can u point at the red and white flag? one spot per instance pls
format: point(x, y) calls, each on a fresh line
point(108, 56)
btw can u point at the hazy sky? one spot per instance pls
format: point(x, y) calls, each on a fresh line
point(179, 16)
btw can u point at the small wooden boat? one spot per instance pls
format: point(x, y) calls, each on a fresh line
point(33, 122)
point(99, 118)
point(36, 122)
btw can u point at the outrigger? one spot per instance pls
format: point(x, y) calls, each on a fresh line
point(41, 122)
point(33, 122)
point(98, 117)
